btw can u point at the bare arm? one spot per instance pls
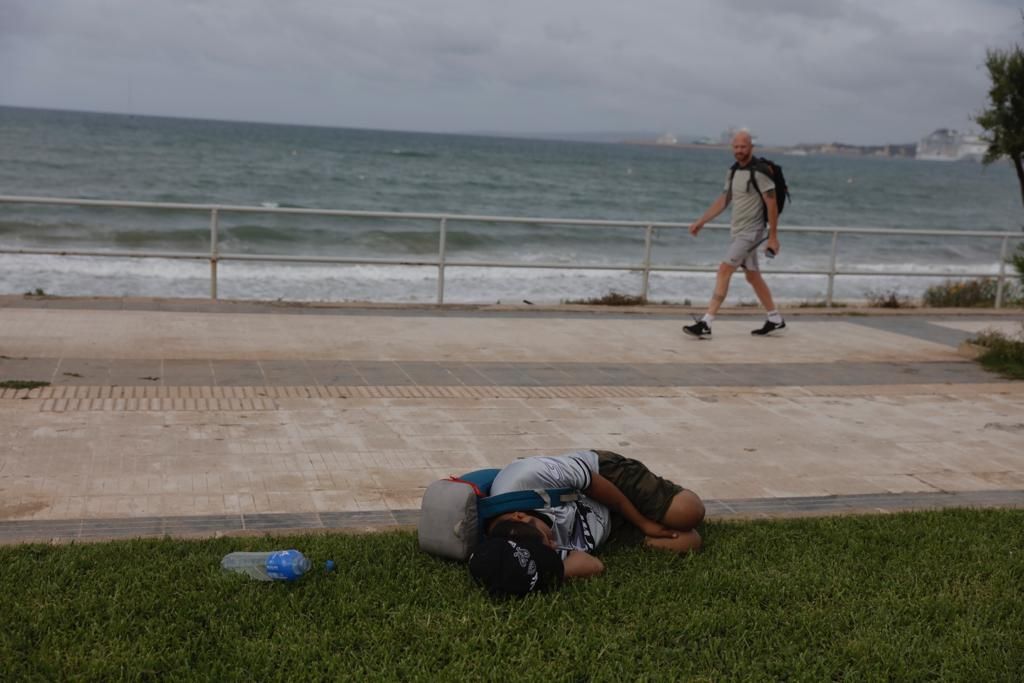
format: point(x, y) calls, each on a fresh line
point(579, 564)
point(716, 208)
point(603, 491)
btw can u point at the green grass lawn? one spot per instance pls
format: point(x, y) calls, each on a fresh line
point(917, 596)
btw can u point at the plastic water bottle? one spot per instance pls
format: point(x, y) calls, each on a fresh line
point(279, 565)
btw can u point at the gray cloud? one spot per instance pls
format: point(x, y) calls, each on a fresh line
point(793, 69)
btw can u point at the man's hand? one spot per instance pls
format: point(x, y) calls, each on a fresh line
point(604, 491)
point(716, 208)
point(653, 529)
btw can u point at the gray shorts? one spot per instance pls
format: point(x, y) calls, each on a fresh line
point(742, 251)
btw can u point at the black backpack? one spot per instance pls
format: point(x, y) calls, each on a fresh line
point(773, 171)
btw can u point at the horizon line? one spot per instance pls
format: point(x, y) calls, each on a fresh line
point(567, 136)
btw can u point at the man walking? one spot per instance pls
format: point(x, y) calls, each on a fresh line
point(754, 211)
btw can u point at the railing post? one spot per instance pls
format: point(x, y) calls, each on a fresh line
point(648, 233)
point(832, 270)
point(440, 260)
point(213, 254)
point(1002, 272)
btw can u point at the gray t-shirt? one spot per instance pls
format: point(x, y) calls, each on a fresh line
point(748, 213)
point(581, 525)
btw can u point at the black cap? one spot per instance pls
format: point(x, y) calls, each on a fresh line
point(506, 567)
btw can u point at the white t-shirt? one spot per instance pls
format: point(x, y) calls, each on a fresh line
point(748, 213)
point(581, 525)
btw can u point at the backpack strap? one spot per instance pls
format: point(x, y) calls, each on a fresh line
point(517, 501)
point(756, 164)
point(511, 501)
point(479, 480)
point(752, 166)
point(753, 181)
point(472, 484)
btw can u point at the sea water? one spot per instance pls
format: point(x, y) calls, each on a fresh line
point(119, 157)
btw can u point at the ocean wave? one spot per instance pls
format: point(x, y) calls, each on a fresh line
point(80, 276)
point(256, 234)
point(196, 237)
point(17, 228)
point(411, 241)
point(924, 269)
point(412, 153)
point(282, 205)
point(178, 198)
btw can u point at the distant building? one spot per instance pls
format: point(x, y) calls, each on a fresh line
point(844, 149)
point(667, 139)
point(905, 150)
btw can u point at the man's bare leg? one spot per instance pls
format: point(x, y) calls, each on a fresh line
point(725, 272)
point(764, 295)
point(685, 511)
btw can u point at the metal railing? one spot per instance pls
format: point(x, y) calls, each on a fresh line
point(442, 262)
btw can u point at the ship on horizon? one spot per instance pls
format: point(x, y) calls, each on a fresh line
point(946, 144)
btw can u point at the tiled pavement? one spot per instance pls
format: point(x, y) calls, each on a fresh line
point(254, 373)
point(185, 418)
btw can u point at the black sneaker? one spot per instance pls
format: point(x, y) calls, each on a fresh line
point(699, 329)
point(769, 328)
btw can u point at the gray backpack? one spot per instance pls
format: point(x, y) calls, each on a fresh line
point(455, 510)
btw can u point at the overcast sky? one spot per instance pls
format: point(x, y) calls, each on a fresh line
point(856, 71)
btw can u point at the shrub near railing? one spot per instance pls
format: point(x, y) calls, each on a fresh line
point(979, 293)
point(1002, 353)
point(887, 298)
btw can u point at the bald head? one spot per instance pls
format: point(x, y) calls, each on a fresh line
point(742, 147)
point(743, 137)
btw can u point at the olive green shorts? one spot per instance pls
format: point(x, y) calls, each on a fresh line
point(652, 495)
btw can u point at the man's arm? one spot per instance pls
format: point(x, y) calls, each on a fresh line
point(579, 564)
point(772, 208)
point(716, 208)
point(604, 491)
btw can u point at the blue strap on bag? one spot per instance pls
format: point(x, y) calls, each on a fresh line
point(489, 506)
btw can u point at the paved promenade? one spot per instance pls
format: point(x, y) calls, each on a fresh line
point(196, 418)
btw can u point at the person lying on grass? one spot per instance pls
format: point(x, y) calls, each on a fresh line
point(621, 501)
